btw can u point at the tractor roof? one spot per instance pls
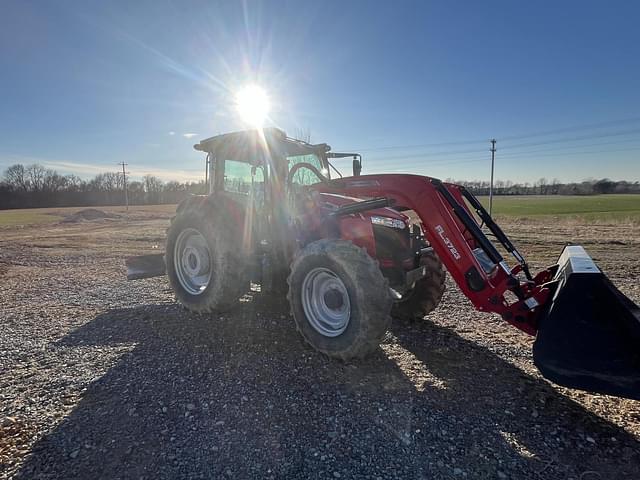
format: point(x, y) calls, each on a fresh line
point(274, 138)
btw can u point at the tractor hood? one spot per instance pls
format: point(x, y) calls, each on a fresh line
point(332, 201)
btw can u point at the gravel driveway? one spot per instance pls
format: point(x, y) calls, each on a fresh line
point(103, 378)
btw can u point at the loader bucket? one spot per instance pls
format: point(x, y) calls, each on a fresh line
point(589, 335)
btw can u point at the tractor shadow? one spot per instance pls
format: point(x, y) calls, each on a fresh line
point(240, 395)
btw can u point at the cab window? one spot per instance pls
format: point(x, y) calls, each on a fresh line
point(305, 176)
point(237, 179)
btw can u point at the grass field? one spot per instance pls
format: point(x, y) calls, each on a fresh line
point(601, 208)
point(27, 216)
point(35, 216)
point(590, 208)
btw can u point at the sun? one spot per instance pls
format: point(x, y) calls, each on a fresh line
point(253, 105)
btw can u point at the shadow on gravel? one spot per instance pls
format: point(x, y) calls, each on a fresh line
point(240, 396)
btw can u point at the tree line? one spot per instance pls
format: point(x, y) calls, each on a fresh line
point(33, 186)
point(543, 186)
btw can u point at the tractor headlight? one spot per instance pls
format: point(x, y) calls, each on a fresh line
point(388, 222)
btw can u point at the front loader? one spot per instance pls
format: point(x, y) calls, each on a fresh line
point(353, 252)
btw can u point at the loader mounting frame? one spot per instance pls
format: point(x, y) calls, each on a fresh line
point(458, 240)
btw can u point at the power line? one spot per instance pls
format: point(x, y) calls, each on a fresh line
point(517, 146)
point(588, 126)
point(574, 128)
point(510, 156)
point(427, 159)
point(438, 163)
point(514, 149)
point(432, 154)
point(565, 147)
point(587, 152)
point(574, 139)
point(422, 145)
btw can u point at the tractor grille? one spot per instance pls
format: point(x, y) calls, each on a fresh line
point(392, 244)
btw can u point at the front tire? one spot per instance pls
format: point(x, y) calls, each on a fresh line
point(339, 299)
point(205, 267)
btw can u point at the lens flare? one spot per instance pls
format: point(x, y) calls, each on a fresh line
point(253, 105)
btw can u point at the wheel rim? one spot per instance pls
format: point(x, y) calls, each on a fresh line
point(325, 301)
point(191, 260)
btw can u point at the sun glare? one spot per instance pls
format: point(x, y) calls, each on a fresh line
point(253, 106)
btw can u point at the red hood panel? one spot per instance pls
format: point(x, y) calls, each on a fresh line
point(334, 200)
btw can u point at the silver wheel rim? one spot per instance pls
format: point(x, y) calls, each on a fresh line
point(191, 259)
point(325, 301)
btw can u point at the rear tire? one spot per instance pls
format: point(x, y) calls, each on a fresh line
point(339, 299)
point(205, 267)
point(426, 294)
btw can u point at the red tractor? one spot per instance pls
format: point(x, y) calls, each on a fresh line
point(357, 250)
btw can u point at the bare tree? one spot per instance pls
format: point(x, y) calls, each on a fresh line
point(174, 186)
point(119, 181)
point(107, 182)
point(152, 184)
point(53, 182)
point(16, 176)
point(508, 186)
point(112, 181)
point(36, 174)
point(136, 192)
point(542, 186)
point(74, 183)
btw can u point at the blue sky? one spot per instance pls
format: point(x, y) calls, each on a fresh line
point(416, 86)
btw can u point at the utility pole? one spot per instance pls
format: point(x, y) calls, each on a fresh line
point(124, 185)
point(493, 159)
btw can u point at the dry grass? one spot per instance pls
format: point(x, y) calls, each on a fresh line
point(40, 216)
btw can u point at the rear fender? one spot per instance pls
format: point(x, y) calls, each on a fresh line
point(214, 205)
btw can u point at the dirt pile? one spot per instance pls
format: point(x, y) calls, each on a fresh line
point(88, 214)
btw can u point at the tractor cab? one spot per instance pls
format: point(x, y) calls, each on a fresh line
point(265, 177)
point(236, 160)
point(267, 163)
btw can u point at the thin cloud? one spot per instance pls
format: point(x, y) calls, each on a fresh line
point(172, 133)
point(189, 135)
point(135, 171)
point(87, 170)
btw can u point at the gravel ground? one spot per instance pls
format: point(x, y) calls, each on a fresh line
point(103, 378)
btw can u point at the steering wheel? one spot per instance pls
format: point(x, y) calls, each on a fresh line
point(309, 166)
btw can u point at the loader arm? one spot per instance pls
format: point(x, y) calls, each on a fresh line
point(457, 238)
point(587, 331)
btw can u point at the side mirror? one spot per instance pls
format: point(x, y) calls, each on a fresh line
point(357, 166)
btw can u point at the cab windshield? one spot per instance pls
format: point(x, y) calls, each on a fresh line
point(306, 176)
